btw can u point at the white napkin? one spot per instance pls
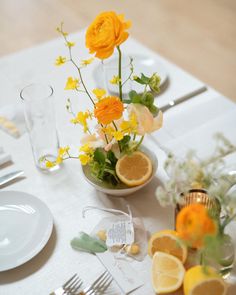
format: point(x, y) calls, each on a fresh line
point(192, 114)
point(201, 139)
point(12, 119)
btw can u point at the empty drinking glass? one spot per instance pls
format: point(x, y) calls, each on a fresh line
point(40, 123)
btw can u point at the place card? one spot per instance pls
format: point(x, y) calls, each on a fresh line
point(122, 272)
point(120, 233)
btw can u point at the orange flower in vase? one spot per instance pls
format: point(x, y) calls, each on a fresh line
point(108, 109)
point(194, 224)
point(106, 32)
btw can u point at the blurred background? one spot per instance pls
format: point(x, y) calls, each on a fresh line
point(199, 36)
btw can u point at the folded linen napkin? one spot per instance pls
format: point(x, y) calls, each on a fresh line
point(202, 139)
point(188, 116)
point(12, 120)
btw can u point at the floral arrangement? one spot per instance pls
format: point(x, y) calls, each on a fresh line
point(114, 126)
point(200, 227)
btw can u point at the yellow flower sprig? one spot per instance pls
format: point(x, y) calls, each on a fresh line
point(82, 119)
point(70, 45)
point(60, 60)
point(87, 155)
point(63, 154)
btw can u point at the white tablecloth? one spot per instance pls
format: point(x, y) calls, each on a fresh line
point(66, 192)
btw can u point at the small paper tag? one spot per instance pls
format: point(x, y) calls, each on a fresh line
point(120, 232)
point(125, 276)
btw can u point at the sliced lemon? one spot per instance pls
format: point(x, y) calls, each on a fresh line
point(200, 280)
point(134, 169)
point(169, 242)
point(167, 273)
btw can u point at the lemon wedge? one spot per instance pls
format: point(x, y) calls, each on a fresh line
point(169, 242)
point(167, 273)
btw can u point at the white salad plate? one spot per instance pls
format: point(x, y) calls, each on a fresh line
point(142, 64)
point(25, 227)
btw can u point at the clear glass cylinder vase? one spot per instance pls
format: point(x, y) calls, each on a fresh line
point(221, 255)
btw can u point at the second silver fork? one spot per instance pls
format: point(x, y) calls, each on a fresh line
point(99, 286)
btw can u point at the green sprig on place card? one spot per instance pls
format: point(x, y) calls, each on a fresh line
point(86, 243)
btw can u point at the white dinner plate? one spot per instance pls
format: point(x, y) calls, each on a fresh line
point(25, 227)
point(142, 64)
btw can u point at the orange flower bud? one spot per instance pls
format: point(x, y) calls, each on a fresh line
point(108, 109)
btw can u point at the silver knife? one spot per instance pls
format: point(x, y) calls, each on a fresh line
point(10, 176)
point(183, 98)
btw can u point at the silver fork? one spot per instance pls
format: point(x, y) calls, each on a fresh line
point(70, 287)
point(99, 286)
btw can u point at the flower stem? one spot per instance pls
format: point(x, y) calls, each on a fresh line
point(117, 130)
point(105, 134)
point(119, 74)
point(81, 79)
point(77, 67)
point(139, 143)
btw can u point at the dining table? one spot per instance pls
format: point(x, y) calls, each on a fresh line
point(188, 125)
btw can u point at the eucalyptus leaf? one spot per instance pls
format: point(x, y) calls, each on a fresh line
point(84, 242)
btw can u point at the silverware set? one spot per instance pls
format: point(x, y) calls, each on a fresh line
point(74, 286)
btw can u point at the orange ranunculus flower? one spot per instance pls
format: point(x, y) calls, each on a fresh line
point(107, 31)
point(193, 224)
point(108, 109)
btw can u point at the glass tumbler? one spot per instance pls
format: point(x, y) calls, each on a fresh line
point(40, 123)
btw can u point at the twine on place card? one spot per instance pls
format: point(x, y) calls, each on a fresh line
point(114, 211)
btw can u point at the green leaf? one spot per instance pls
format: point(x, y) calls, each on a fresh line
point(154, 83)
point(134, 96)
point(145, 79)
point(99, 156)
point(112, 158)
point(148, 99)
point(139, 80)
point(126, 101)
point(124, 143)
point(154, 110)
